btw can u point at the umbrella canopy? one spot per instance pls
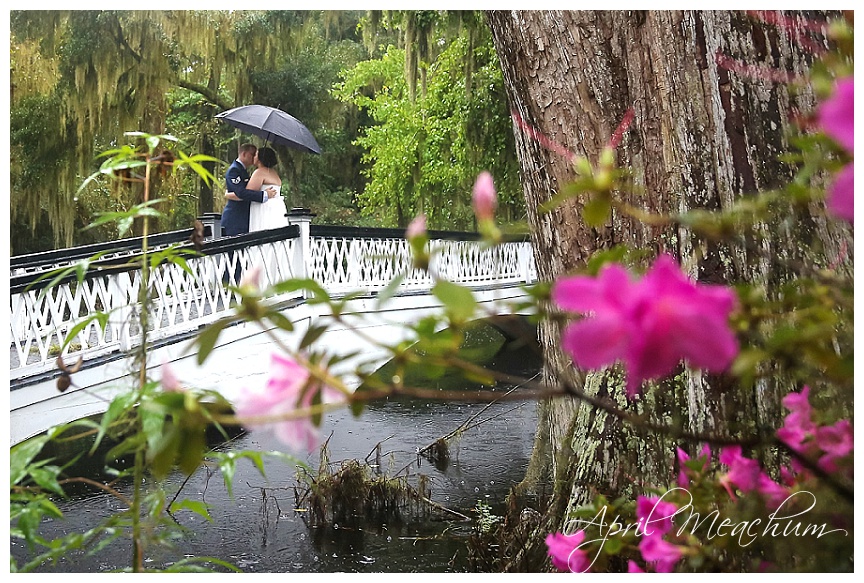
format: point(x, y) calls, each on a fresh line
point(274, 125)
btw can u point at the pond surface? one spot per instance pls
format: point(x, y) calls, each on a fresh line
point(260, 531)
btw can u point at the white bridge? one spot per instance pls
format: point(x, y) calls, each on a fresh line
point(48, 311)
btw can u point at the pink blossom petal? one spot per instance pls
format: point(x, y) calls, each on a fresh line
point(287, 389)
point(169, 380)
point(484, 197)
point(836, 439)
point(416, 227)
point(773, 492)
point(836, 115)
point(655, 515)
point(595, 342)
point(608, 292)
point(565, 554)
point(660, 552)
point(743, 472)
point(840, 198)
point(704, 339)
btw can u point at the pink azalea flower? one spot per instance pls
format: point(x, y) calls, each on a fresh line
point(794, 438)
point(484, 197)
point(663, 554)
point(632, 567)
point(169, 379)
point(837, 443)
point(840, 199)
point(655, 515)
point(252, 278)
point(650, 325)
point(416, 228)
point(800, 410)
point(289, 388)
point(773, 493)
point(836, 116)
point(565, 552)
point(743, 472)
point(836, 439)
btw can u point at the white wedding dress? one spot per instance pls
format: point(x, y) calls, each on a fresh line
point(270, 214)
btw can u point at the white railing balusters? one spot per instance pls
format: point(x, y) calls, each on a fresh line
point(182, 302)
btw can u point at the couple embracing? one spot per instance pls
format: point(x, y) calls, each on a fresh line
point(253, 202)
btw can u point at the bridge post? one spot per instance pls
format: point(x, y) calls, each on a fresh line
point(214, 221)
point(526, 252)
point(302, 249)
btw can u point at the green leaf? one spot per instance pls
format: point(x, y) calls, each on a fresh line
point(206, 340)
point(199, 508)
point(458, 300)
point(281, 321)
point(291, 285)
point(604, 256)
point(46, 478)
point(21, 455)
point(119, 405)
point(100, 317)
point(596, 211)
point(193, 449)
point(312, 334)
point(167, 448)
point(388, 292)
point(228, 466)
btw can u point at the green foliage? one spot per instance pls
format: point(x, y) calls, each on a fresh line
point(422, 155)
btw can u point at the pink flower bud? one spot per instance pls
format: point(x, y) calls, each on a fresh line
point(485, 199)
point(252, 278)
point(169, 379)
point(417, 227)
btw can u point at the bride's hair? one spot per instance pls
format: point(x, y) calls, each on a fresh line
point(267, 157)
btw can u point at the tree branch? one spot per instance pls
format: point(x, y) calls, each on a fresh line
point(209, 94)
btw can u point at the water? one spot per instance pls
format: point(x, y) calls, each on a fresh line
point(260, 531)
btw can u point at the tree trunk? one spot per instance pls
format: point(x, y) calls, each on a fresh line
point(702, 137)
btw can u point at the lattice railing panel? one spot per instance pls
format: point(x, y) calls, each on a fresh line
point(179, 301)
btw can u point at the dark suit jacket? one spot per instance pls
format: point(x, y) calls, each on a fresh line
point(235, 216)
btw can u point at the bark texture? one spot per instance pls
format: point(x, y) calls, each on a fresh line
point(702, 137)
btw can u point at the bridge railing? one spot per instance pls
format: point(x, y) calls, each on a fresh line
point(44, 318)
point(347, 259)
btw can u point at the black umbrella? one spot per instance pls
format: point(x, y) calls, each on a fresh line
point(274, 125)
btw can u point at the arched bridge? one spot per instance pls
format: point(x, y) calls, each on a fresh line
point(49, 311)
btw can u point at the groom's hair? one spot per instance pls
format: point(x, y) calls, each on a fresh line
point(246, 148)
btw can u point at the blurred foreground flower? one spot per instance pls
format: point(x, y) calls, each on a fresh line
point(836, 117)
point(565, 552)
point(484, 199)
point(289, 388)
point(650, 325)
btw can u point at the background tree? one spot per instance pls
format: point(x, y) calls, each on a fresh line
point(76, 89)
point(82, 78)
point(423, 149)
point(703, 137)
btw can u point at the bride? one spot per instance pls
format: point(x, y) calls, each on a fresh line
point(270, 214)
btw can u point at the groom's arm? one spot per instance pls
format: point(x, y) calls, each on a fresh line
point(237, 185)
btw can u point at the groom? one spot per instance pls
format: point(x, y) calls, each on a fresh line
point(235, 216)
